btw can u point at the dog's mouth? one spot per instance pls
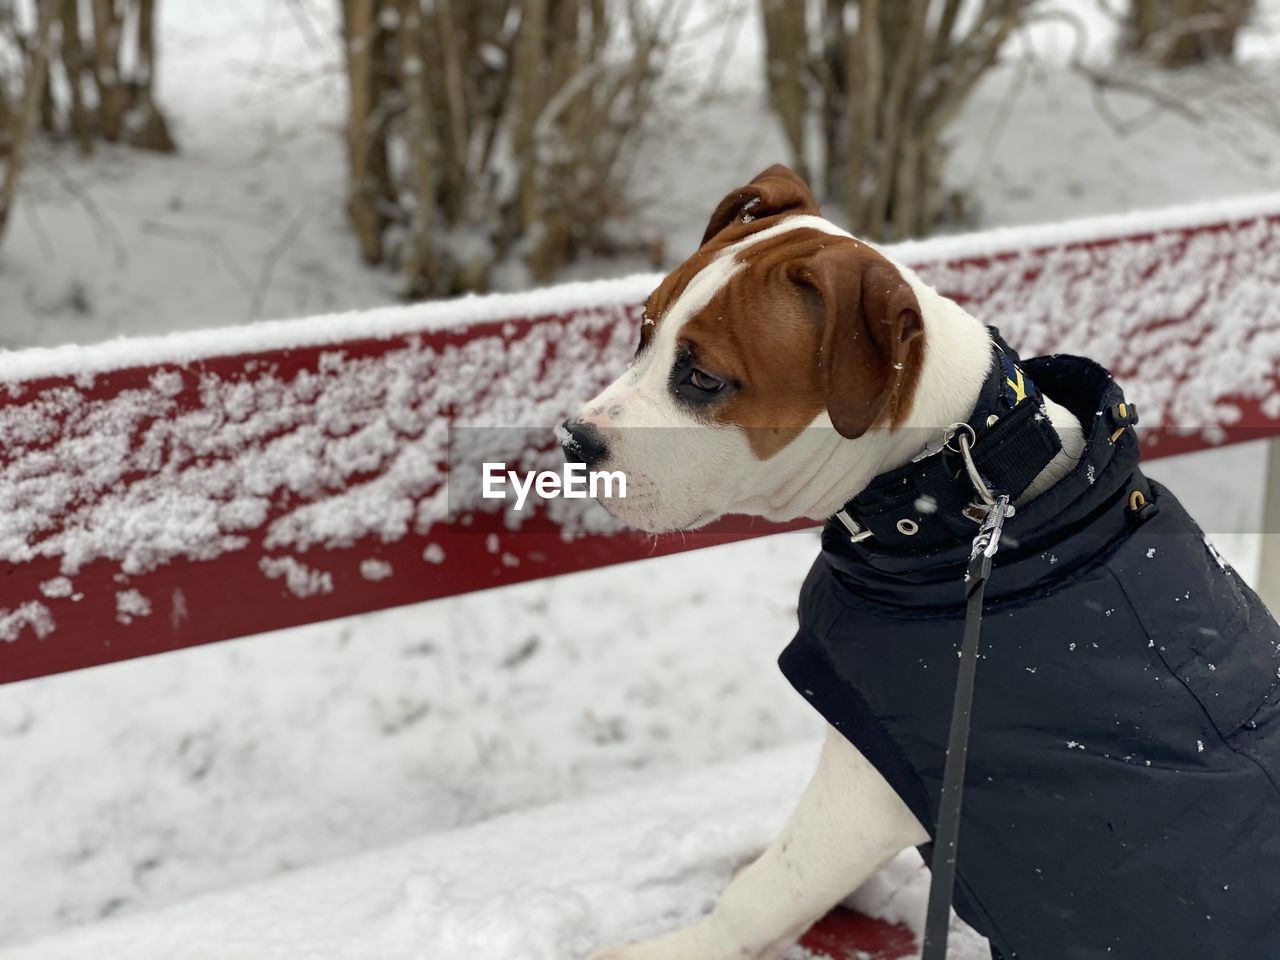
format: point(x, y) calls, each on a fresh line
point(646, 514)
point(657, 525)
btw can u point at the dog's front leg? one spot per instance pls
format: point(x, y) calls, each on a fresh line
point(848, 824)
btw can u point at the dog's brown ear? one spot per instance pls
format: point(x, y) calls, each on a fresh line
point(776, 190)
point(871, 336)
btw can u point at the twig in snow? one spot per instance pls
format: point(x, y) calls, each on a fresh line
point(37, 230)
point(305, 27)
point(212, 241)
point(272, 258)
point(106, 229)
point(1106, 81)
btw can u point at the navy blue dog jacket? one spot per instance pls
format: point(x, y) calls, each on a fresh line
point(1122, 798)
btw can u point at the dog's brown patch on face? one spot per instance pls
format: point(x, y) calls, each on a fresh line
point(811, 321)
point(760, 334)
point(775, 332)
point(774, 194)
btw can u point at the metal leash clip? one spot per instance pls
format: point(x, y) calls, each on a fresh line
point(965, 437)
point(986, 543)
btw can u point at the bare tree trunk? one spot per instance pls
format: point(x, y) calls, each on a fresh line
point(528, 67)
point(361, 205)
point(786, 66)
point(862, 111)
point(48, 110)
point(420, 265)
point(893, 74)
point(905, 28)
point(36, 81)
point(7, 122)
point(454, 160)
point(106, 69)
point(153, 130)
point(75, 65)
point(8, 116)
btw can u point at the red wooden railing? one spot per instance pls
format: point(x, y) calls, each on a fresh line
point(158, 494)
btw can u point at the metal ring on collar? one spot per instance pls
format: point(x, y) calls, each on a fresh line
point(975, 477)
point(950, 434)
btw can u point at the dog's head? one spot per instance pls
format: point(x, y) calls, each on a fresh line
point(780, 322)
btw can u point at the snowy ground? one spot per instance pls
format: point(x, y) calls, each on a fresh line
point(251, 757)
point(548, 884)
point(146, 783)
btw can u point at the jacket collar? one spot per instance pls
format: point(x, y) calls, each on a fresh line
point(931, 501)
point(1060, 530)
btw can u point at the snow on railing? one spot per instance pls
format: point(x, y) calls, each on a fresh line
point(165, 492)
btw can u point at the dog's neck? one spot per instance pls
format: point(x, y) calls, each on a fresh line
point(821, 471)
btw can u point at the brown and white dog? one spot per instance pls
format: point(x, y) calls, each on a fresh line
point(781, 368)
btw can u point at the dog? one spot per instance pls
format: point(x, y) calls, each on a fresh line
point(1123, 796)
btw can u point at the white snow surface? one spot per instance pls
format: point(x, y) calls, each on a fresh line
point(146, 782)
point(548, 884)
point(383, 323)
point(190, 464)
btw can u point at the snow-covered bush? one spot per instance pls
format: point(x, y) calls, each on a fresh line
point(82, 69)
point(865, 90)
point(489, 135)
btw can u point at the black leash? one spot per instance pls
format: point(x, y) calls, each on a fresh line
point(943, 866)
point(1004, 446)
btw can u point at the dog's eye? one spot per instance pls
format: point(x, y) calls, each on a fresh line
point(705, 381)
point(694, 386)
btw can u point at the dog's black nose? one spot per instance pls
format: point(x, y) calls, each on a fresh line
point(582, 442)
